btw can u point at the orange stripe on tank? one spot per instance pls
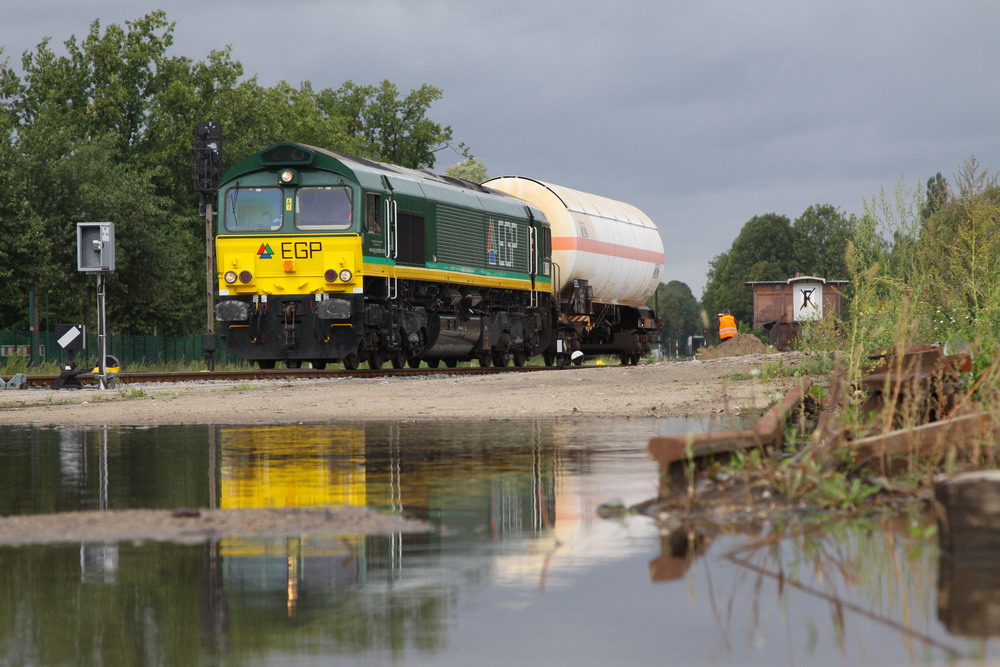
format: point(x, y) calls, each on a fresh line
point(605, 248)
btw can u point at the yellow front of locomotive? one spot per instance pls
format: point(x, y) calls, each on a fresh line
point(289, 262)
point(289, 238)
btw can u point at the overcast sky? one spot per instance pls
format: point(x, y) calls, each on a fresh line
point(701, 113)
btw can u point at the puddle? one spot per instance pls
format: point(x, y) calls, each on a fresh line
point(518, 567)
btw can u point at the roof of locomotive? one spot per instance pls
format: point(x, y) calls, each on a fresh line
point(384, 177)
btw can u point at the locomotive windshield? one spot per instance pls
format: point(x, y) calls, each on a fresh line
point(253, 209)
point(324, 208)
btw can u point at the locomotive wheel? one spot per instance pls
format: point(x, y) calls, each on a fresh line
point(351, 361)
point(499, 358)
point(484, 360)
point(318, 365)
point(376, 358)
point(433, 363)
point(413, 362)
point(625, 358)
point(635, 360)
point(265, 364)
point(398, 359)
point(549, 358)
point(293, 363)
point(519, 358)
point(451, 363)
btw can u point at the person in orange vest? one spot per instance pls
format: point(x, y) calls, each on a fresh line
point(727, 326)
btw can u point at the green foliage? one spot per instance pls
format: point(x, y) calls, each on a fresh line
point(841, 492)
point(819, 242)
point(763, 248)
point(937, 195)
point(918, 279)
point(105, 132)
point(813, 365)
point(677, 308)
point(471, 169)
point(392, 128)
point(770, 248)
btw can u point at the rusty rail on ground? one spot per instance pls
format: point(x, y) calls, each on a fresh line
point(768, 430)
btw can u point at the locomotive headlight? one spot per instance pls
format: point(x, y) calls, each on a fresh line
point(245, 277)
point(287, 176)
point(230, 277)
point(346, 275)
point(330, 275)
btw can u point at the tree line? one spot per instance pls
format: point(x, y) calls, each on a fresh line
point(768, 247)
point(103, 131)
point(923, 263)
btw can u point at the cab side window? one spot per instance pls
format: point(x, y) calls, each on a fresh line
point(372, 211)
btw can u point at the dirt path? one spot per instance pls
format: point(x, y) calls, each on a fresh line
point(669, 388)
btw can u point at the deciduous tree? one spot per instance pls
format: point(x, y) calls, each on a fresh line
point(471, 169)
point(392, 128)
point(104, 131)
point(819, 239)
point(677, 308)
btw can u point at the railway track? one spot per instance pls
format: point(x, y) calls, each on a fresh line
point(88, 379)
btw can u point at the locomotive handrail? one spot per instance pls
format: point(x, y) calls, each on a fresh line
point(532, 252)
point(388, 227)
point(395, 229)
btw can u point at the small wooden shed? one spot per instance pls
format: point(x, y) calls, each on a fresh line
point(780, 306)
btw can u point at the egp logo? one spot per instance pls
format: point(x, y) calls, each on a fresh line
point(501, 241)
point(265, 252)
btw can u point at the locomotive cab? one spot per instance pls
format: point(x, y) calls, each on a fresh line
point(288, 253)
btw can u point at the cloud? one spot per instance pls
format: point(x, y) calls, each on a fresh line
point(702, 114)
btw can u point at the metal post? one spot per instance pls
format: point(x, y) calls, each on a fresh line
point(33, 327)
point(210, 287)
point(102, 325)
point(209, 268)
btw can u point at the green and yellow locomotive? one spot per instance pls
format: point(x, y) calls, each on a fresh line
point(324, 258)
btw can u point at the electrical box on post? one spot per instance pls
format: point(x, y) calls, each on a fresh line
point(95, 247)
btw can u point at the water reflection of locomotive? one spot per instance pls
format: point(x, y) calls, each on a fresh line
point(323, 257)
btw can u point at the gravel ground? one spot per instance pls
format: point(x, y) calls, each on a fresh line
point(669, 388)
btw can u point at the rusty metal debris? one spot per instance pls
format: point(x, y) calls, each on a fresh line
point(919, 384)
point(921, 407)
point(915, 395)
point(769, 430)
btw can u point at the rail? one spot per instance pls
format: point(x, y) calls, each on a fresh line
point(89, 379)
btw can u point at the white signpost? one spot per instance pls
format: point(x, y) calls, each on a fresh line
point(807, 301)
point(95, 253)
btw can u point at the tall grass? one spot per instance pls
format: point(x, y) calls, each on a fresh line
point(922, 276)
point(918, 275)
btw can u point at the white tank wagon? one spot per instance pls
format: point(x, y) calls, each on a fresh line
point(608, 256)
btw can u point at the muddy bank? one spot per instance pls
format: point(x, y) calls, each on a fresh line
point(739, 345)
point(197, 525)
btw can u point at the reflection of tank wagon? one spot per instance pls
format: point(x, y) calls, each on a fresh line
point(323, 257)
